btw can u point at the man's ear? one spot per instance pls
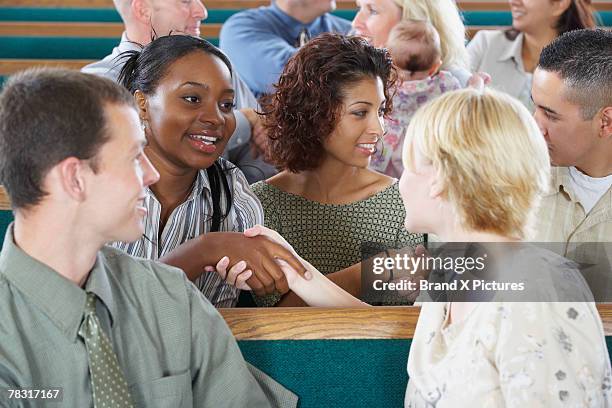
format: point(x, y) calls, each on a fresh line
point(141, 10)
point(71, 174)
point(606, 123)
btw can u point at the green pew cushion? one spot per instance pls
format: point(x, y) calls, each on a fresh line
point(99, 15)
point(472, 17)
point(6, 217)
point(335, 373)
point(60, 47)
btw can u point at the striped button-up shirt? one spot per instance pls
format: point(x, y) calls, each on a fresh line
point(193, 218)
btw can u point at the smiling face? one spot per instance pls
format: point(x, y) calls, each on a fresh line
point(177, 16)
point(531, 15)
point(375, 19)
point(118, 186)
point(189, 116)
point(572, 140)
point(360, 125)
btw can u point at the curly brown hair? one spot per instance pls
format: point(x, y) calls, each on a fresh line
point(307, 104)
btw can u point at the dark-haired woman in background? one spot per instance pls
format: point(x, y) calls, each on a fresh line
point(202, 203)
point(324, 122)
point(510, 56)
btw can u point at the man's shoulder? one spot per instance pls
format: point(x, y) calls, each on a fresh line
point(108, 67)
point(259, 14)
point(127, 268)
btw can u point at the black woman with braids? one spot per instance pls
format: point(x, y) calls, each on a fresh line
point(201, 204)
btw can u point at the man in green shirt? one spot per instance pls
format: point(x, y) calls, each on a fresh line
point(82, 324)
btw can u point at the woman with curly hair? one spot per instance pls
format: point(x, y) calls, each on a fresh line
point(324, 123)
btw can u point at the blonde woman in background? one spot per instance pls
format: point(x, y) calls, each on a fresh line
point(376, 18)
point(476, 167)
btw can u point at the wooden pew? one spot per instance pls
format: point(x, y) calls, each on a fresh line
point(10, 66)
point(239, 4)
point(5, 203)
point(287, 323)
point(337, 357)
point(297, 323)
point(102, 30)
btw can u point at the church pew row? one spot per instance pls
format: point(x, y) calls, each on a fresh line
point(114, 30)
point(239, 4)
point(79, 29)
point(337, 357)
point(220, 15)
point(329, 357)
point(11, 62)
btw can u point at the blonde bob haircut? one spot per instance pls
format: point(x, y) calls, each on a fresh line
point(444, 16)
point(490, 157)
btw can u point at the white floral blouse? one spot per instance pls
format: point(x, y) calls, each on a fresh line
point(510, 355)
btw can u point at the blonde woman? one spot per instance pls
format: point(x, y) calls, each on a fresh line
point(376, 18)
point(476, 166)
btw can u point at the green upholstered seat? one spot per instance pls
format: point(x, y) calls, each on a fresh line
point(335, 373)
point(6, 217)
point(59, 47)
point(472, 17)
point(100, 15)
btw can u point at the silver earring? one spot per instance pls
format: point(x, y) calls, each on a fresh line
point(376, 145)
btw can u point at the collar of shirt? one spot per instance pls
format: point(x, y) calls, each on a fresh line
point(513, 51)
point(60, 299)
point(201, 182)
point(292, 26)
point(126, 45)
point(560, 182)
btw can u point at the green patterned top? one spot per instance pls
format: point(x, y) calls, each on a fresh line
point(330, 236)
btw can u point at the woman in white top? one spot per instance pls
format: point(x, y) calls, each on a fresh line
point(510, 56)
point(476, 166)
point(376, 18)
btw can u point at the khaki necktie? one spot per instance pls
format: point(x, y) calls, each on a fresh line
point(107, 380)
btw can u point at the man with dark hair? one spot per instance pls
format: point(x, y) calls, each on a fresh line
point(572, 91)
point(105, 328)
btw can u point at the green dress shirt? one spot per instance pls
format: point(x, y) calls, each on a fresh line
point(173, 346)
